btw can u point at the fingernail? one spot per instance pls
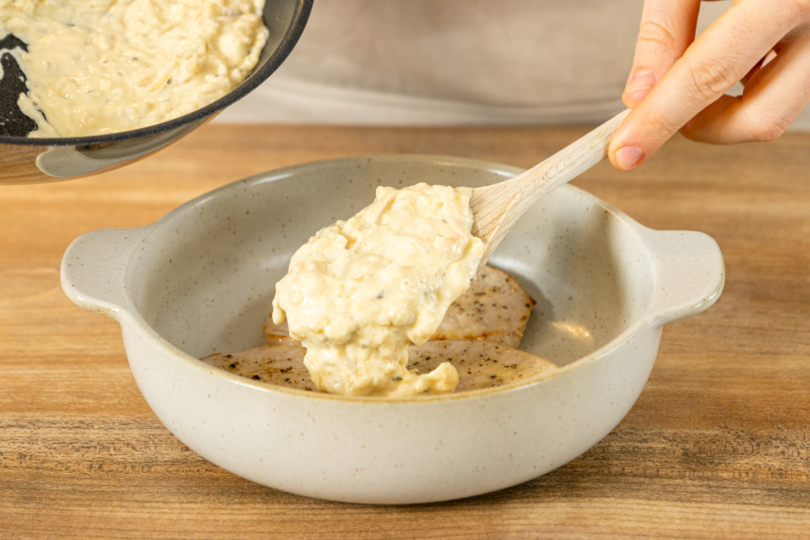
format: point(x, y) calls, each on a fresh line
point(640, 84)
point(628, 157)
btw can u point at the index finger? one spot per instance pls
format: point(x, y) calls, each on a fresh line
point(719, 58)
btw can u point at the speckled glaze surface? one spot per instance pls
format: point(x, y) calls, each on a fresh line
point(201, 280)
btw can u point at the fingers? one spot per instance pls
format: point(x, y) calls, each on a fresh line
point(719, 58)
point(773, 98)
point(768, 57)
point(667, 29)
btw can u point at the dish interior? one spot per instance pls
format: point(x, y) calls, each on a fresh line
point(205, 276)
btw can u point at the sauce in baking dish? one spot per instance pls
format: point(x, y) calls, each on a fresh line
point(361, 291)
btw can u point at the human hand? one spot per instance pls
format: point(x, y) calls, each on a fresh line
point(679, 82)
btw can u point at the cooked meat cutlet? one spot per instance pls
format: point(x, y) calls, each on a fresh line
point(480, 364)
point(479, 336)
point(495, 309)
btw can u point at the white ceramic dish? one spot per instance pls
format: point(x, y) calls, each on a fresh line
point(201, 280)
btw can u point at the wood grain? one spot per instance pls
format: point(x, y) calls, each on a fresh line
point(718, 445)
point(497, 207)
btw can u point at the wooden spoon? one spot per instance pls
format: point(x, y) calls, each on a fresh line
point(497, 207)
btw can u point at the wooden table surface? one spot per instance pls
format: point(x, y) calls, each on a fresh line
point(717, 446)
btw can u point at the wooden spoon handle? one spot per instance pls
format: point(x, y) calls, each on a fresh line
point(497, 207)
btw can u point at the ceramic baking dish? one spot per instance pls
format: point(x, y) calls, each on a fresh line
point(201, 280)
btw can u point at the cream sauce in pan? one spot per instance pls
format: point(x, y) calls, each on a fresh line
point(105, 66)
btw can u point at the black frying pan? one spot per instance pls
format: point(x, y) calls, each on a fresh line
point(24, 160)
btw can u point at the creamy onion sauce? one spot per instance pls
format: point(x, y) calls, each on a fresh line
point(360, 291)
point(105, 66)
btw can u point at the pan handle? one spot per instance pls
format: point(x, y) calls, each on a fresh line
point(75, 161)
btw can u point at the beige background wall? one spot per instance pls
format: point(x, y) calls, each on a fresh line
point(391, 62)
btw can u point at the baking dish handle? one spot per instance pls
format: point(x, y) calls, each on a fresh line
point(93, 270)
point(689, 274)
